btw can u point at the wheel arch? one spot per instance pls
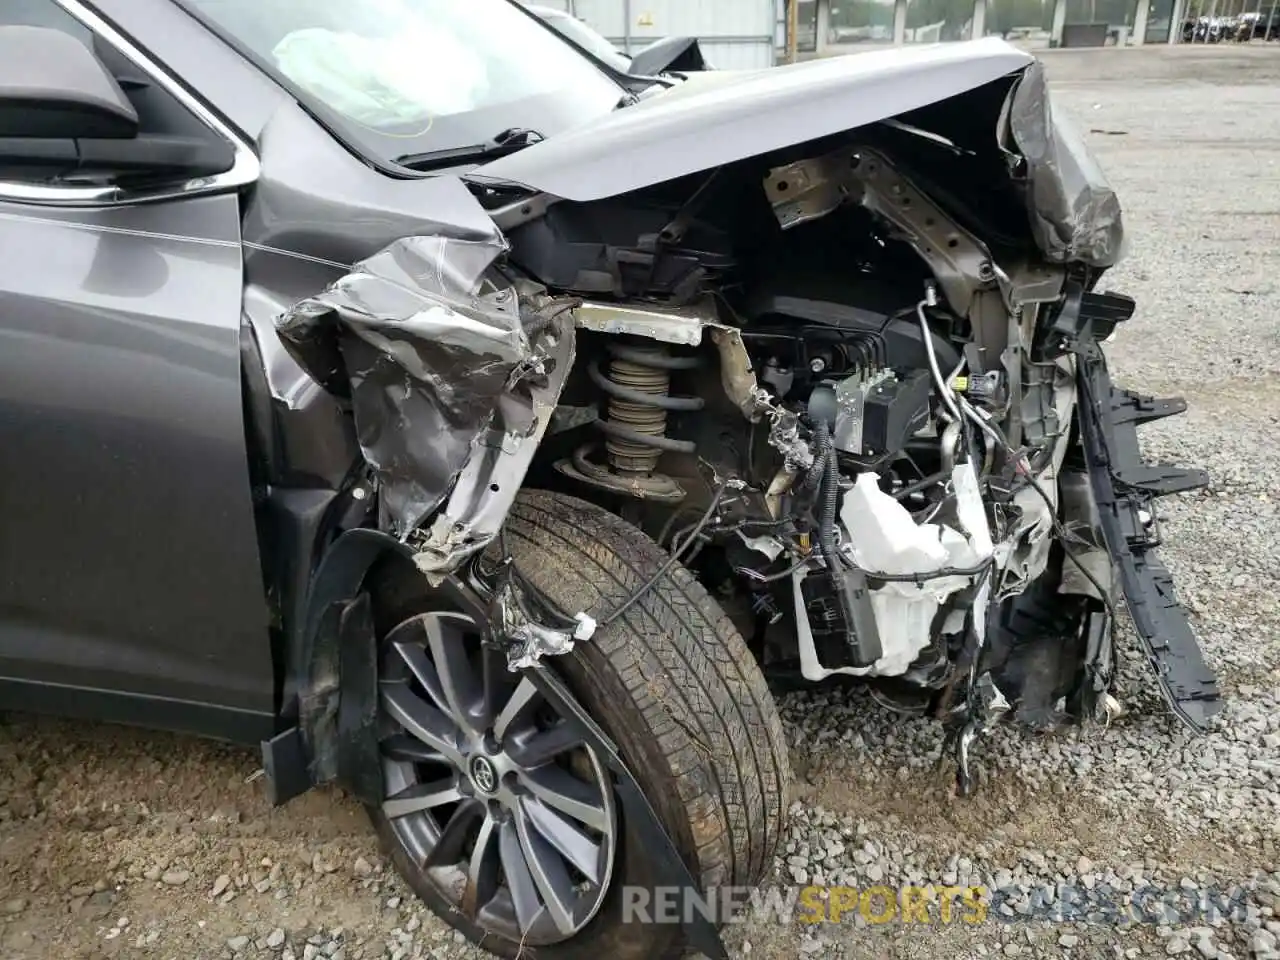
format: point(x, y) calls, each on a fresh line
point(332, 666)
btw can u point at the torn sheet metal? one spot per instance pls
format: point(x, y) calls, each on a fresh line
point(1075, 214)
point(737, 377)
point(500, 457)
point(681, 326)
point(444, 381)
point(529, 624)
point(684, 326)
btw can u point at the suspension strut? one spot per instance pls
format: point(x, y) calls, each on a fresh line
point(637, 386)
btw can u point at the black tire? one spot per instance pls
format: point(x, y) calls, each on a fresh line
point(672, 681)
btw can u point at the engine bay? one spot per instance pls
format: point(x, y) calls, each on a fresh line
point(854, 386)
point(895, 483)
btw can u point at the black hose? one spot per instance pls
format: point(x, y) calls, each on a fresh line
point(827, 527)
point(814, 475)
point(923, 484)
point(678, 546)
point(859, 618)
point(830, 492)
point(922, 578)
point(827, 523)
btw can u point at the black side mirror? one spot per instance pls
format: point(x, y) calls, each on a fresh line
point(53, 87)
point(670, 54)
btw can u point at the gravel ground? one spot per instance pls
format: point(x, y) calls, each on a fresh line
point(119, 843)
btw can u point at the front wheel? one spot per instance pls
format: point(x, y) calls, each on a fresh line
point(505, 823)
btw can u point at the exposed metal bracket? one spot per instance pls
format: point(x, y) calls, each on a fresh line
point(685, 326)
point(812, 188)
point(520, 212)
point(1127, 411)
point(807, 189)
point(1161, 480)
point(678, 325)
point(1136, 408)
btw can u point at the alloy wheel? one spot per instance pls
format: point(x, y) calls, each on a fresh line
point(487, 788)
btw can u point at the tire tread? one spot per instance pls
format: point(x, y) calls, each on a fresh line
point(689, 672)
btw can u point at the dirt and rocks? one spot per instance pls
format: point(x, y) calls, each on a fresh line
point(121, 843)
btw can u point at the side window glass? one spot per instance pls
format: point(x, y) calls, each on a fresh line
point(173, 144)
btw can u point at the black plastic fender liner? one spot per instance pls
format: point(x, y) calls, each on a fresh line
point(1124, 488)
point(358, 757)
point(333, 657)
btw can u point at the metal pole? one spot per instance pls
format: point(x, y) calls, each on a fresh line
point(978, 20)
point(1271, 19)
point(1176, 19)
point(900, 22)
point(1140, 23)
point(1059, 22)
point(793, 26)
point(626, 27)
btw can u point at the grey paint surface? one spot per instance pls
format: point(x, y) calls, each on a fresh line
point(317, 210)
point(128, 545)
point(317, 200)
point(718, 117)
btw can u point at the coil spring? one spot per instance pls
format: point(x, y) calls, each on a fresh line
point(638, 385)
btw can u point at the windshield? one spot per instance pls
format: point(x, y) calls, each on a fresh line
point(589, 40)
point(403, 77)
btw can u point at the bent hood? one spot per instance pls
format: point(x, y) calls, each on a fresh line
point(716, 118)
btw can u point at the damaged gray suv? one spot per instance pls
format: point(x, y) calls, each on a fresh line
point(392, 385)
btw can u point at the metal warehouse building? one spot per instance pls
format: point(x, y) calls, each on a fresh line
point(735, 34)
point(740, 34)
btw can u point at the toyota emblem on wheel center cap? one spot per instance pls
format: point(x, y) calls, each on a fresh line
point(483, 775)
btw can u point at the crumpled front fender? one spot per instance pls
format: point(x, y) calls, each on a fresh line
point(452, 378)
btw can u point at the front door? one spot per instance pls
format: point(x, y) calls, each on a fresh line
point(130, 583)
